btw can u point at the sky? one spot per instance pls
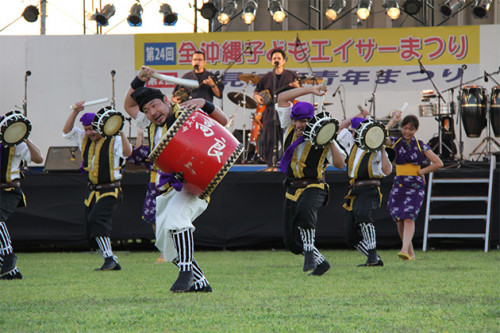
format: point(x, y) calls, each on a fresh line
point(65, 17)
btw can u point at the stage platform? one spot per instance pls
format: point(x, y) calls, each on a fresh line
point(245, 211)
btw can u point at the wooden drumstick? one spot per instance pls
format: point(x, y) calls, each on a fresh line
point(321, 98)
point(89, 103)
point(173, 79)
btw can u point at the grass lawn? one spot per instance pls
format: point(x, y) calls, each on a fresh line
point(255, 291)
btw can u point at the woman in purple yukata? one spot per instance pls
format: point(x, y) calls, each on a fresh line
point(408, 189)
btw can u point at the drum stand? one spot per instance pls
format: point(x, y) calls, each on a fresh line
point(487, 141)
point(241, 104)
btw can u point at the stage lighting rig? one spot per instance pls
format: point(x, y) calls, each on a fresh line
point(249, 11)
point(104, 15)
point(169, 17)
point(392, 9)
point(364, 9)
point(227, 12)
point(276, 10)
point(334, 9)
point(134, 19)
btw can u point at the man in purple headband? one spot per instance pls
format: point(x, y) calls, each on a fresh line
point(365, 169)
point(304, 166)
point(102, 159)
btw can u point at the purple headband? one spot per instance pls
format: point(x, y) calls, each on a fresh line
point(356, 121)
point(302, 110)
point(87, 118)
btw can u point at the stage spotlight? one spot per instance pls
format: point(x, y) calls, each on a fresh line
point(392, 9)
point(364, 9)
point(169, 17)
point(412, 7)
point(334, 9)
point(450, 7)
point(104, 15)
point(208, 10)
point(227, 12)
point(134, 19)
point(481, 7)
point(276, 10)
point(249, 11)
point(31, 13)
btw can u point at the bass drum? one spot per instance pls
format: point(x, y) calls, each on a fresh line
point(495, 110)
point(448, 148)
point(473, 106)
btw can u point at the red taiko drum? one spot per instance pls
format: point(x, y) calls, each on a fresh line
point(198, 147)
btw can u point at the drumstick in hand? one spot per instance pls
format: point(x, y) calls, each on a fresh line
point(89, 103)
point(321, 98)
point(172, 79)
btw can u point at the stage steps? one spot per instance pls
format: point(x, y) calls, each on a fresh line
point(461, 185)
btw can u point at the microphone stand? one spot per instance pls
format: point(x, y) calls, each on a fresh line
point(440, 98)
point(298, 44)
point(25, 101)
point(372, 99)
point(275, 120)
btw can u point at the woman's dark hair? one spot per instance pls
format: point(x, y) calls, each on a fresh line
point(410, 119)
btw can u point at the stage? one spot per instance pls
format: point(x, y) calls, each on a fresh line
point(244, 211)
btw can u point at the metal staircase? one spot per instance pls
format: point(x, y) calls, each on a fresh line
point(463, 200)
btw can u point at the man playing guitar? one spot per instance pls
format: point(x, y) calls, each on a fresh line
point(271, 84)
point(210, 85)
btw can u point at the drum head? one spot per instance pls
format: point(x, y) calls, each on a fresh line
point(113, 125)
point(14, 128)
point(15, 133)
point(326, 134)
point(374, 138)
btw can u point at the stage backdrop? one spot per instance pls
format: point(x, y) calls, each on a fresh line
point(66, 69)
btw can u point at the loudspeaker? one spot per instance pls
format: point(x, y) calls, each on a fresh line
point(60, 159)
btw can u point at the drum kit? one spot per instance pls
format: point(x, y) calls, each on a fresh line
point(251, 141)
point(474, 108)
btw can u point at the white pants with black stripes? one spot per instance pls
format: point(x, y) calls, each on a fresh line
point(175, 211)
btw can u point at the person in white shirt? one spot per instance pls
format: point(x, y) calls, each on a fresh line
point(102, 159)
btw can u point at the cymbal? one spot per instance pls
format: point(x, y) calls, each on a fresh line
point(312, 80)
point(249, 78)
point(238, 98)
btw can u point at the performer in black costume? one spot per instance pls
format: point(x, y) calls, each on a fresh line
point(11, 197)
point(365, 170)
point(304, 166)
point(102, 159)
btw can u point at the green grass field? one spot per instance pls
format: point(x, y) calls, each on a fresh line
point(255, 291)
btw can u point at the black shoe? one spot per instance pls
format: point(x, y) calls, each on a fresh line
point(110, 264)
point(204, 289)
point(321, 268)
point(16, 276)
point(372, 257)
point(378, 263)
point(309, 263)
point(9, 264)
point(183, 283)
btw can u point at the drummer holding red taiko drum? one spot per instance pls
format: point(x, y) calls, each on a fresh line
point(176, 208)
